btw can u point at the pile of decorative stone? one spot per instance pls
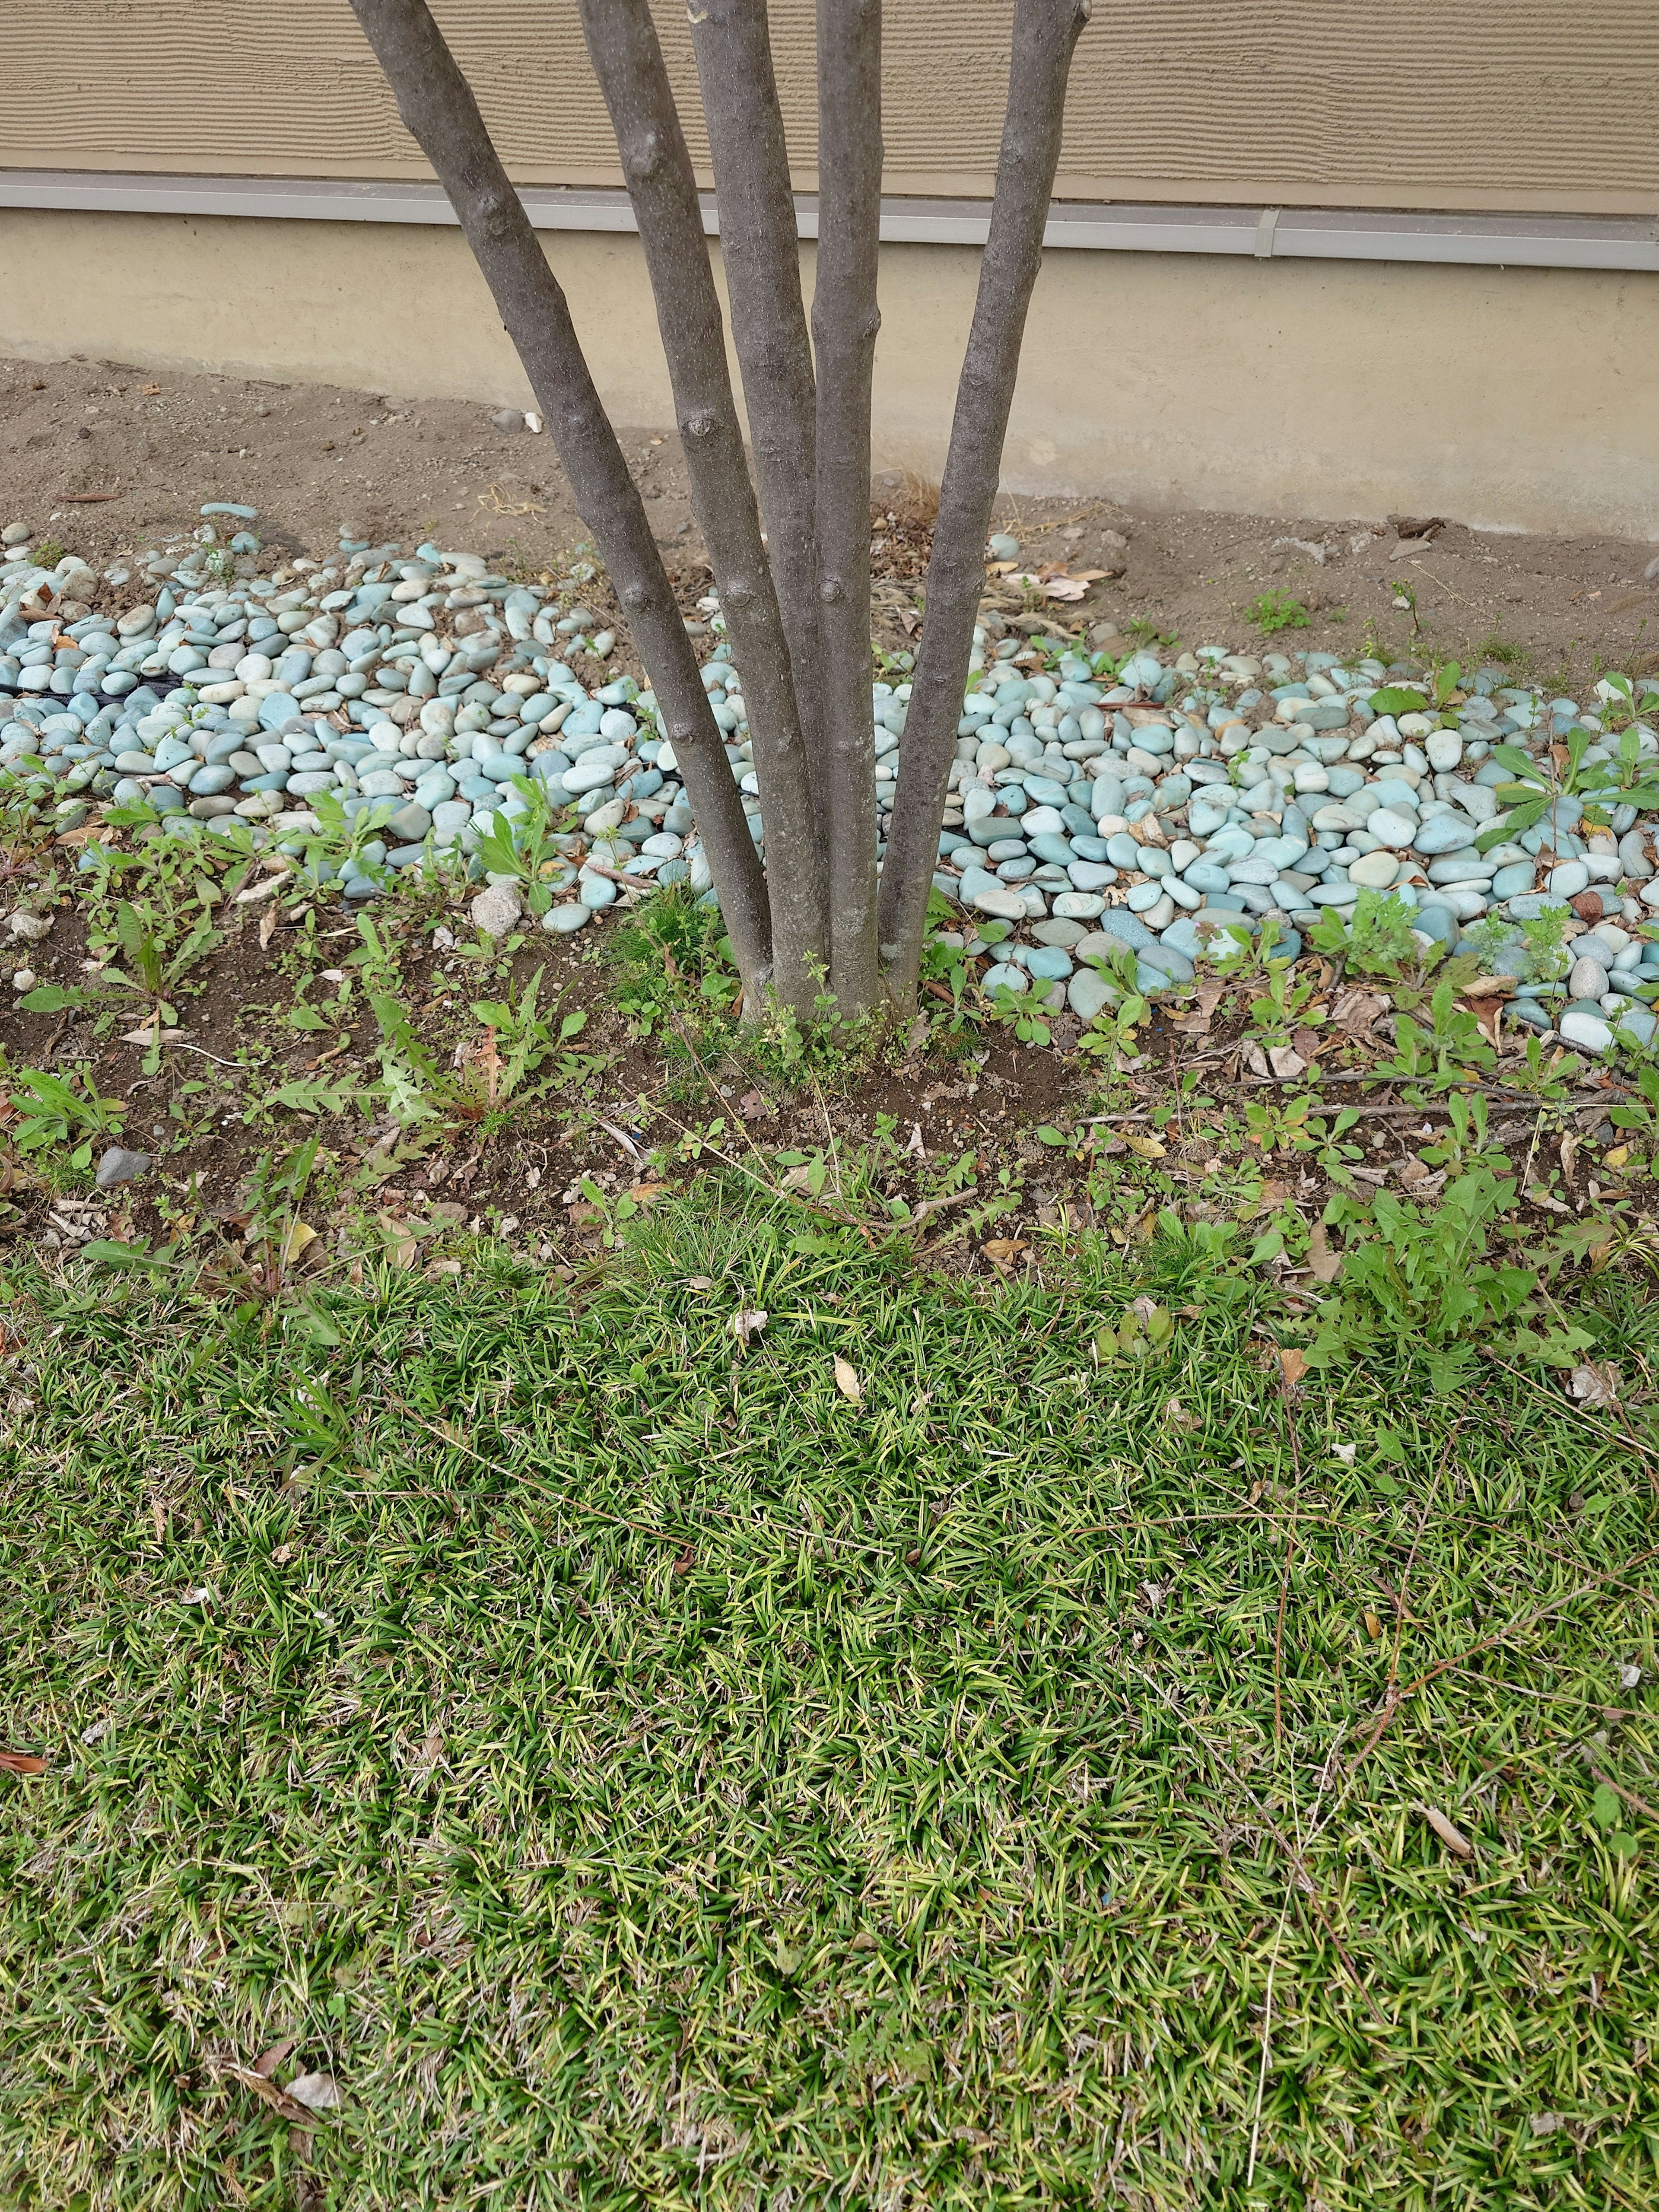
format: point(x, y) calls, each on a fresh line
point(233, 695)
point(1187, 802)
point(1180, 803)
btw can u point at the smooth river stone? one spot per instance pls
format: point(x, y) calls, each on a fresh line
point(1441, 833)
point(1374, 871)
point(1389, 827)
point(1508, 882)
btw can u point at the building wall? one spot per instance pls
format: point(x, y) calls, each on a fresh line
point(1526, 105)
point(1509, 398)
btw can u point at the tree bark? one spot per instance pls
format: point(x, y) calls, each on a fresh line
point(622, 41)
point(438, 107)
point(760, 252)
point(845, 321)
point(1044, 33)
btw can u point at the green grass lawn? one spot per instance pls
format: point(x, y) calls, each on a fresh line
point(643, 1775)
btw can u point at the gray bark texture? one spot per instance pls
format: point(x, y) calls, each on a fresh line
point(438, 107)
point(760, 252)
point(622, 42)
point(1045, 32)
point(845, 321)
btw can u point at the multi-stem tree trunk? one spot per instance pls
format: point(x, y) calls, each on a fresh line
point(622, 41)
point(437, 106)
point(798, 617)
point(1045, 33)
point(845, 320)
point(760, 254)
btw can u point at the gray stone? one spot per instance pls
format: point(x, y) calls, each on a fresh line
point(1060, 931)
point(1088, 993)
point(410, 823)
point(1441, 833)
point(496, 910)
point(1589, 1030)
point(119, 1166)
point(1003, 975)
point(1173, 961)
point(1128, 928)
point(1588, 978)
point(1052, 962)
point(1376, 871)
point(1514, 880)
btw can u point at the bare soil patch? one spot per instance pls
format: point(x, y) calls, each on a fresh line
point(311, 457)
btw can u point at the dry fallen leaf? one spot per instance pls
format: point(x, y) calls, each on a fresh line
point(300, 1237)
point(1322, 1263)
point(1176, 1415)
point(1149, 1148)
point(267, 922)
point(266, 2091)
point(745, 1325)
point(1292, 1365)
point(1595, 1387)
point(1356, 1010)
point(1001, 1251)
point(1287, 1064)
point(317, 2092)
point(257, 894)
point(1454, 1839)
point(269, 2061)
point(21, 1762)
point(846, 1380)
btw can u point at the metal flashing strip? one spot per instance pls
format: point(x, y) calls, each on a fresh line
point(1535, 241)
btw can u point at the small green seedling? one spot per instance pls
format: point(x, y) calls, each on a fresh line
point(1275, 611)
point(1145, 1332)
point(57, 1109)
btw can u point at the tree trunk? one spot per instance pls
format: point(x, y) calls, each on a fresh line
point(845, 320)
point(438, 108)
point(622, 41)
point(1044, 33)
point(760, 250)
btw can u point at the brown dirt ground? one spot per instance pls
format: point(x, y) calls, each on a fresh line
point(311, 457)
point(979, 1093)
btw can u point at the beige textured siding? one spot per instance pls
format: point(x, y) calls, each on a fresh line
point(1520, 104)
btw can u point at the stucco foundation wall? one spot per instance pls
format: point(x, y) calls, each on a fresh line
point(1506, 399)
